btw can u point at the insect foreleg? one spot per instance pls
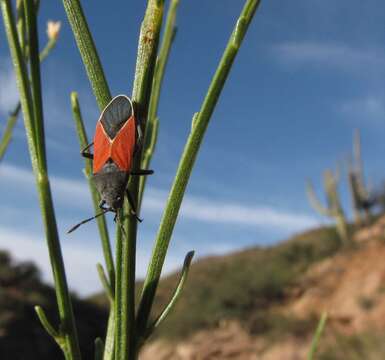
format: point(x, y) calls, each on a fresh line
point(86, 154)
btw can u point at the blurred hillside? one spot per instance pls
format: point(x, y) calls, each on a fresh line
point(264, 301)
point(21, 334)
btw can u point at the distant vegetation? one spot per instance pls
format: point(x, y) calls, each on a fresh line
point(21, 334)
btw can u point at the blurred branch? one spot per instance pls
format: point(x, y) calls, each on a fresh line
point(317, 336)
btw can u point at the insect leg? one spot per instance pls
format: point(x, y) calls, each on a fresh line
point(132, 205)
point(141, 172)
point(86, 154)
point(101, 204)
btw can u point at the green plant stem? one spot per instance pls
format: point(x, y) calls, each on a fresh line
point(145, 63)
point(106, 285)
point(39, 168)
point(99, 349)
point(7, 134)
point(109, 347)
point(101, 220)
point(186, 164)
point(160, 66)
point(118, 306)
point(20, 23)
point(51, 43)
point(37, 101)
point(12, 119)
point(88, 52)
point(175, 297)
point(317, 336)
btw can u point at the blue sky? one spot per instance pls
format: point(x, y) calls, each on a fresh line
point(309, 72)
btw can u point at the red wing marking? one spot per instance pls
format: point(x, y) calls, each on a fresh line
point(120, 149)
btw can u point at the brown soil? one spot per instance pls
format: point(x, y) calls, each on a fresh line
point(350, 286)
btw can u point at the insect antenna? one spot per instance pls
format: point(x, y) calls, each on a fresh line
point(86, 221)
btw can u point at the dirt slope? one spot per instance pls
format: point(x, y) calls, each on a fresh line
point(350, 286)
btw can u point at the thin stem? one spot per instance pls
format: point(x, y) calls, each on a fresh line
point(43, 187)
point(106, 285)
point(99, 349)
point(20, 23)
point(161, 61)
point(12, 119)
point(125, 300)
point(176, 295)
point(145, 62)
point(101, 220)
point(317, 336)
point(88, 52)
point(152, 129)
point(46, 323)
point(21, 77)
point(33, 43)
point(109, 347)
point(160, 66)
point(186, 164)
point(51, 43)
point(7, 134)
point(118, 306)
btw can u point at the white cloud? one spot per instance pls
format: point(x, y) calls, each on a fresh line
point(65, 190)
point(9, 95)
point(193, 208)
point(211, 211)
point(371, 108)
point(80, 258)
point(340, 56)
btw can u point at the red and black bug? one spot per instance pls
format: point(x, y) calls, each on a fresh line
point(115, 143)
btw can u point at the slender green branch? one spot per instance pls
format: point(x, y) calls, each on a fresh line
point(28, 102)
point(12, 119)
point(101, 220)
point(175, 297)
point(125, 297)
point(46, 323)
point(160, 66)
point(99, 349)
point(51, 43)
point(88, 52)
point(118, 300)
point(161, 61)
point(7, 134)
point(187, 162)
point(37, 102)
point(145, 62)
point(20, 24)
point(317, 336)
point(152, 128)
point(106, 285)
point(21, 76)
point(109, 346)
